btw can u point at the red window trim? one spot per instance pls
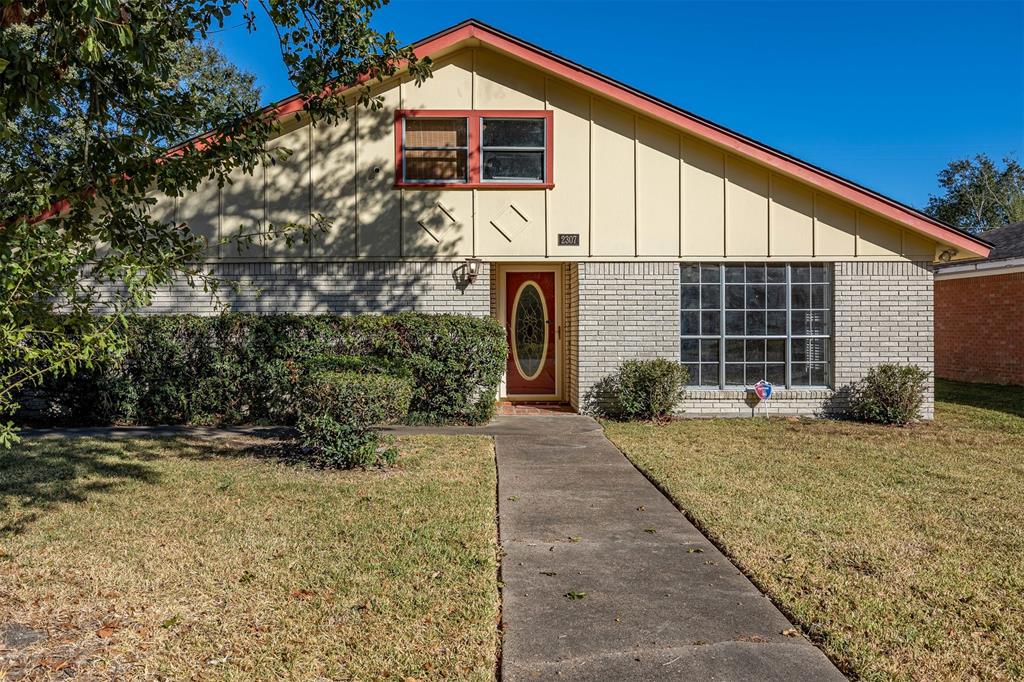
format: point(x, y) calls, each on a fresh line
point(473, 117)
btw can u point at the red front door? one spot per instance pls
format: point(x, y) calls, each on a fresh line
point(530, 323)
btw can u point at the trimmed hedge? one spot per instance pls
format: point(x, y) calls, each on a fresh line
point(339, 410)
point(246, 368)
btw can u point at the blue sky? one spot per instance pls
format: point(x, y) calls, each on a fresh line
point(884, 93)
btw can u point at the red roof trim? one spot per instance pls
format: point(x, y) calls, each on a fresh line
point(719, 135)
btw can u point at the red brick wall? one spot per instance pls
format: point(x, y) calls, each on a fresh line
point(979, 329)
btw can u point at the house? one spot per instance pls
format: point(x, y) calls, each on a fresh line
point(597, 223)
point(979, 313)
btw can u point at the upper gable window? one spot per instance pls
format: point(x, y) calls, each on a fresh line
point(436, 150)
point(513, 149)
point(473, 149)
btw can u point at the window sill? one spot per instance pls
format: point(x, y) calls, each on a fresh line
point(474, 185)
point(803, 393)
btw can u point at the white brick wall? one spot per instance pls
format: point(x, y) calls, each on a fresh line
point(571, 331)
point(882, 313)
point(625, 311)
point(732, 403)
point(347, 288)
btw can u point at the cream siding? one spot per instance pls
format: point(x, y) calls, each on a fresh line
point(436, 223)
point(746, 208)
point(510, 223)
point(791, 220)
point(613, 212)
point(703, 225)
point(243, 212)
point(569, 200)
point(164, 210)
point(379, 206)
point(835, 227)
point(629, 186)
point(287, 193)
point(917, 248)
point(450, 87)
point(876, 238)
point(657, 189)
point(503, 83)
point(201, 211)
point(334, 197)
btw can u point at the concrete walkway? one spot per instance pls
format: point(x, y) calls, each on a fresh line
point(654, 599)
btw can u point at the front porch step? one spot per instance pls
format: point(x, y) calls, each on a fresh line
point(522, 407)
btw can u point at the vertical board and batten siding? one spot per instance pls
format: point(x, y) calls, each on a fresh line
point(628, 185)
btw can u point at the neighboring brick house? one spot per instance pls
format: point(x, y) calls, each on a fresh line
point(595, 222)
point(979, 313)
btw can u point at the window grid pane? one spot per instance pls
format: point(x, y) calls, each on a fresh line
point(744, 322)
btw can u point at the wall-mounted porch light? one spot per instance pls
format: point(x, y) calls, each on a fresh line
point(473, 269)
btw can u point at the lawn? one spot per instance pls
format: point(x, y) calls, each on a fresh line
point(189, 560)
point(899, 551)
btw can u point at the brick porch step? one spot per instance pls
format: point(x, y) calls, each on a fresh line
point(515, 407)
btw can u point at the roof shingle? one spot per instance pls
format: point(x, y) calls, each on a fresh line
point(1006, 241)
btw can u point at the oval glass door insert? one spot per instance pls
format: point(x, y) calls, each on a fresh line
point(529, 330)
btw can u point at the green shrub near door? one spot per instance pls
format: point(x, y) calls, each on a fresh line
point(639, 390)
point(245, 368)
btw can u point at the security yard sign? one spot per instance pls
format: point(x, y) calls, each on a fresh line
point(763, 389)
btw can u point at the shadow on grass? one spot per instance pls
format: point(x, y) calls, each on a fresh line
point(49, 471)
point(52, 470)
point(40, 475)
point(1006, 399)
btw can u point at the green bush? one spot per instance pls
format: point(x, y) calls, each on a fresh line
point(338, 413)
point(358, 363)
point(889, 394)
point(246, 368)
point(640, 390)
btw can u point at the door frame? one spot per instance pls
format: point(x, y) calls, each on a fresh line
point(502, 315)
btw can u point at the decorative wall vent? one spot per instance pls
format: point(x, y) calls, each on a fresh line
point(437, 221)
point(511, 223)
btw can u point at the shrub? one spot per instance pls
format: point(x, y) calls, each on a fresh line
point(640, 389)
point(889, 394)
point(339, 410)
point(357, 363)
point(247, 368)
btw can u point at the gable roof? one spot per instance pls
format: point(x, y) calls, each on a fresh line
point(473, 31)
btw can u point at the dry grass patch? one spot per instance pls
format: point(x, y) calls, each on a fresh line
point(183, 559)
point(900, 551)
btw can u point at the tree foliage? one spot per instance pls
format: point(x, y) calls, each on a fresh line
point(48, 143)
point(979, 195)
point(108, 75)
